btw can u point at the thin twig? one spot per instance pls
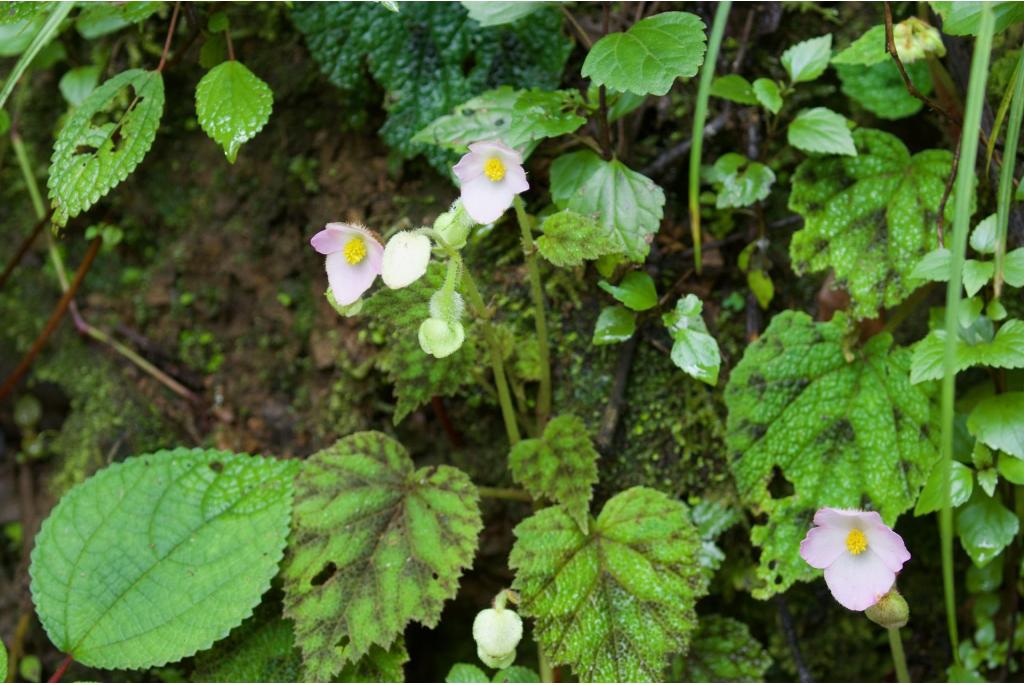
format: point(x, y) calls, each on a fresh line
point(949, 189)
point(55, 317)
point(24, 247)
point(231, 46)
point(170, 36)
point(579, 31)
point(803, 673)
point(890, 47)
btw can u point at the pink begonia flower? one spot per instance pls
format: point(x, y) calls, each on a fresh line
point(353, 259)
point(490, 176)
point(860, 554)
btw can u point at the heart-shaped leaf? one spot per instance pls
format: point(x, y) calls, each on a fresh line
point(232, 104)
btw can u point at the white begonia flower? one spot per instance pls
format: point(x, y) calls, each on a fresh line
point(497, 633)
point(353, 260)
point(406, 257)
point(490, 176)
point(441, 338)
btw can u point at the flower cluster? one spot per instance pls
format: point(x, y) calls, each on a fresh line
point(490, 176)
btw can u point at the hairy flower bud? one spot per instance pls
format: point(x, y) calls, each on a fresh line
point(497, 633)
point(440, 338)
point(406, 257)
point(891, 611)
point(453, 226)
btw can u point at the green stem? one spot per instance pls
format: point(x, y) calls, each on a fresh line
point(962, 214)
point(898, 658)
point(547, 673)
point(504, 493)
point(539, 316)
point(508, 412)
point(700, 114)
point(46, 33)
point(1006, 174)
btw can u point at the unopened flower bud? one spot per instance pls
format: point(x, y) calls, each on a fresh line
point(453, 226)
point(497, 633)
point(891, 611)
point(440, 338)
point(406, 257)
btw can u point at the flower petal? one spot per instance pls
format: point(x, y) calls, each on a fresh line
point(485, 200)
point(495, 148)
point(405, 259)
point(823, 545)
point(471, 166)
point(349, 282)
point(336, 234)
point(515, 179)
point(858, 582)
point(844, 519)
point(888, 545)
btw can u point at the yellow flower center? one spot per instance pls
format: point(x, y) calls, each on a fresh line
point(354, 251)
point(494, 169)
point(856, 542)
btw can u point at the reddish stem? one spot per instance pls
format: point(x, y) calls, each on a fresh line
point(231, 46)
point(170, 36)
point(59, 673)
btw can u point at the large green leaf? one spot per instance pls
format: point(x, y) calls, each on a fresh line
point(627, 203)
point(870, 218)
point(879, 88)
point(232, 104)
point(428, 58)
point(570, 238)
point(822, 131)
point(998, 421)
point(614, 603)
point(90, 158)
point(964, 18)
point(650, 56)
point(156, 558)
point(375, 544)
point(518, 118)
point(416, 375)
point(561, 466)
point(1005, 351)
point(809, 428)
point(986, 527)
point(723, 651)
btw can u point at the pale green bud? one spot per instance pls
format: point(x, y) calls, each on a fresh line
point(891, 611)
point(440, 338)
point(447, 306)
point(497, 633)
point(453, 226)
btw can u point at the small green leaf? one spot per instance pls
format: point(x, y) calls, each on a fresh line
point(636, 291)
point(983, 237)
point(809, 428)
point(1011, 468)
point(570, 238)
point(518, 118)
point(976, 274)
point(467, 673)
point(821, 130)
point(375, 544)
point(560, 466)
point(90, 159)
point(693, 350)
point(614, 603)
point(760, 283)
point(740, 182)
point(158, 557)
point(934, 266)
point(1005, 350)
point(627, 203)
point(218, 22)
point(998, 421)
point(76, 84)
point(650, 56)
point(869, 218)
point(233, 105)
point(986, 527)
point(723, 651)
point(498, 13)
point(988, 479)
point(961, 484)
point(808, 60)
point(867, 50)
point(516, 674)
point(735, 88)
point(614, 325)
point(767, 93)
point(1013, 268)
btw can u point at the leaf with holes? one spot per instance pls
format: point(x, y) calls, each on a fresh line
point(90, 157)
point(871, 218)
point(416, 375)
point(723, 651)
point(614, 603)
point(232, 104)
point(375, 544)
point(626, 203)
point(560, 466)
point(650, 56)
point(836, 432)
point(570, 238)
point(158, 557)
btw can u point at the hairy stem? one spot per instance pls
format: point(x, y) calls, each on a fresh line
point(961, 219)
point(700, 113)
point(539, 316)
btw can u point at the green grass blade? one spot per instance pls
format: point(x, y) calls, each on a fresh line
point(1006, 173)
point(965, 181)
point(700, 114)
point(60, 10)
